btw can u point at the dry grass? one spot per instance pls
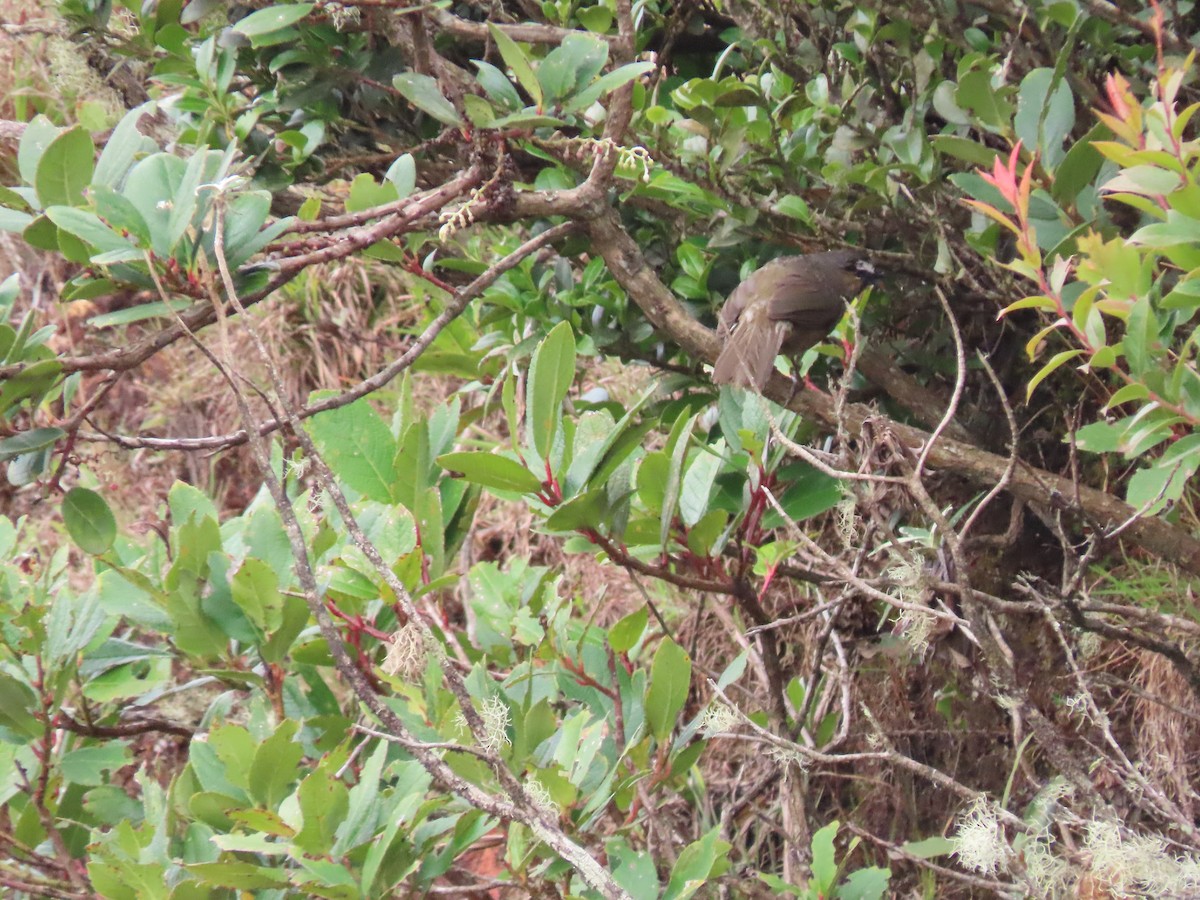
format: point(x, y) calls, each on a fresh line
point(1166, 722)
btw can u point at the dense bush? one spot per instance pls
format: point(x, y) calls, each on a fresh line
point(492, 593)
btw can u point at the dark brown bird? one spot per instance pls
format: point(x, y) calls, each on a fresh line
point(785, 307)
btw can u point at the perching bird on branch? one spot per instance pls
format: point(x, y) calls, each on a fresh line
point(785, 307)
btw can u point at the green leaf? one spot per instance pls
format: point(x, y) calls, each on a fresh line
point(367, 193)
point(703, 536)
point(627, 632)
point(244, 217)
point(1079, 167)
point(273, 18)
point(625, 440)
point(403, 175)
point(480, 111)
point(1055, 361)
point(1153, 487)
point(698, 482)
point(697, 863)
point(151, 187)
point(652, 480)
point(806, 492)
point(187, 200)
point(496, 85)
point(1141, 335)
point(13, 200)
point(18, 705)
point(865, 884)
point(119, 214)
point(634, 871)
point(358, 447)
point(1150, 181)
point(606, 84)
point(89, 520)
point(28, 441)
point(670, 681)
point(323, 802)
point(363, 808)
point(1178, 229)
point(598, 18)
point(237, 875)
point(1045, 114)
point(574, 63)
point(38, 135)
point(677, 445)
point(14, 221)
point(42, 234)
point(491, 471)
point(930, 847)
point(65, 169)
point(824, 861)
point(87, 227)
point(945, 104)
point(583, 511)
point(276, 765)
point(28, 467)
point(551, 372)
point(1184, 295)
point(88, 765)
point(122, 147)
point(31, 382)
point(255, 590)
point(793, 207)
point(976, 94)
point(516, 59)
point(423, 93)
point(975, 153)
point(1128, 394)
point(157, 310)
point(527, 120)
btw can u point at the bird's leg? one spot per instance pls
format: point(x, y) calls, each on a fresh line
point(795, 388)
point(798, 380)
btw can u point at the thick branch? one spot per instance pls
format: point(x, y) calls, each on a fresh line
point(529, 32)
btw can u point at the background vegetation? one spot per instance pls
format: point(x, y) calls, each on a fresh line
point(374, 530)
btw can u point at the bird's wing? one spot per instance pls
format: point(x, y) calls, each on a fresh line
point(748, 356)
point(731, 311)
point(810, 300)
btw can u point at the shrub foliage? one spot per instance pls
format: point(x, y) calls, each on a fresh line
point(521, 605)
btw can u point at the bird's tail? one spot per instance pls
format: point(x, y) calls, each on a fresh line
point(748, 357)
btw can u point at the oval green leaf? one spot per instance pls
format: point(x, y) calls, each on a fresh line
point(65, 169)
point(36, 379)
point(670, 680)
point(28, 441)
point(491, 471)
point(515, 59)
point(423, 93)
point(89, 520)
point(273, 18)
point(550, 375)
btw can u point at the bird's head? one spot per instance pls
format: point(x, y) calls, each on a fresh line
point(864, 269)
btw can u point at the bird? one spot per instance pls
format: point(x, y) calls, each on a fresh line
point(785, 306)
